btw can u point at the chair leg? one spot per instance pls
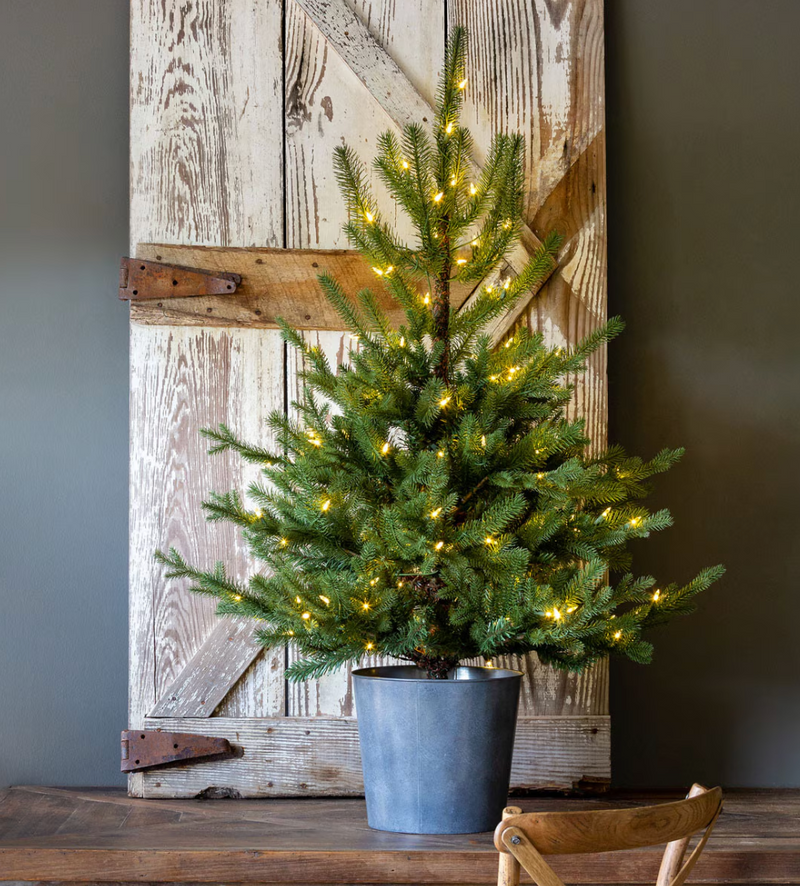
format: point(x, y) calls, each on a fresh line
point(508, 869)
point(675, 851)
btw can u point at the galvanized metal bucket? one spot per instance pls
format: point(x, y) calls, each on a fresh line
point(436, 753)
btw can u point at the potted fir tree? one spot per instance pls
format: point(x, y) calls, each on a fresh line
point(435, 505)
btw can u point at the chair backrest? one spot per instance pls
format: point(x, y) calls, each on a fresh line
point(528, 836)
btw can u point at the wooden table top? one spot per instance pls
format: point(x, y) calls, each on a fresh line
point(101, 836)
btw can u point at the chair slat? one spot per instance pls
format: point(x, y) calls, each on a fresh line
point(525, 853)
point(561, 833)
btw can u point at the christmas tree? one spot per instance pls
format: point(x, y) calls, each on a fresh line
point(432, 502)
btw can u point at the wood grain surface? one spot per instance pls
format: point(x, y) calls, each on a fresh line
point(319, 755)
point(236, 109)
point(49, 834)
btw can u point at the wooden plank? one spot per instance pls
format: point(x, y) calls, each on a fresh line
point(275, 283)
point(377, 71)
point(206, 152)
point(547, 82)
point(103, 836)
point(206, 130)
point(225, 654)
point(307, 756)
point(183, 379)
point(327, 103)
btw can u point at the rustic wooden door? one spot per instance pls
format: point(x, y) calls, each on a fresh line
point(236, 107)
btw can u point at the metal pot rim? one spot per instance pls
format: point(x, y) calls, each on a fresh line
point(413, 674)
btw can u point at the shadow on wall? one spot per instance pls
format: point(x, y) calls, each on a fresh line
point(704, 216)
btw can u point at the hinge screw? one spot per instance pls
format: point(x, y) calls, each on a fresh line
point(516, 841)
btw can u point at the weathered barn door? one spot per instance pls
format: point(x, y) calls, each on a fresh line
point(236, 107)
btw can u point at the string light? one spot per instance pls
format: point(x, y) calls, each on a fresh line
point(463, 84)
point(483, 441)
point(378, 271)
point(506, 283)
point(507, 224)
point(237, 597)
point(605, 513)
point(556, 614)
point(402, 341)
point(325, 600)
point(298, 600)
point(373, 582)
point(437, 198)
point(439, 545)
point(635, 521)
point(435, 514)
point(426, 299)
point(461, 261)
point(404, 164)
point(571, 609)
point(488, 540)
point(306, 616)
point(473, 190)
point(326, 504)
point(369, 217)
point(284, 542)
point(440, 453)
point(540, 476)
point(370, 646)
point(365, 605)
point(445, 400)
point(508, 343)
point(385, 448)
point(453, 180)
point(493, 378)
point(476, 241)
point(449, 128)
point(400, 584)
point(656, 595)
point(617, 635)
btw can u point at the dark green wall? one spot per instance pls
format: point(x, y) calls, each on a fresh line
point(704, 221)
point(704, 135)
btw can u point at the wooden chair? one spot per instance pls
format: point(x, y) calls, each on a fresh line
point(523, 838)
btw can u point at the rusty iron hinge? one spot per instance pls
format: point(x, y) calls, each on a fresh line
point(145, 748)
point(140, 279)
